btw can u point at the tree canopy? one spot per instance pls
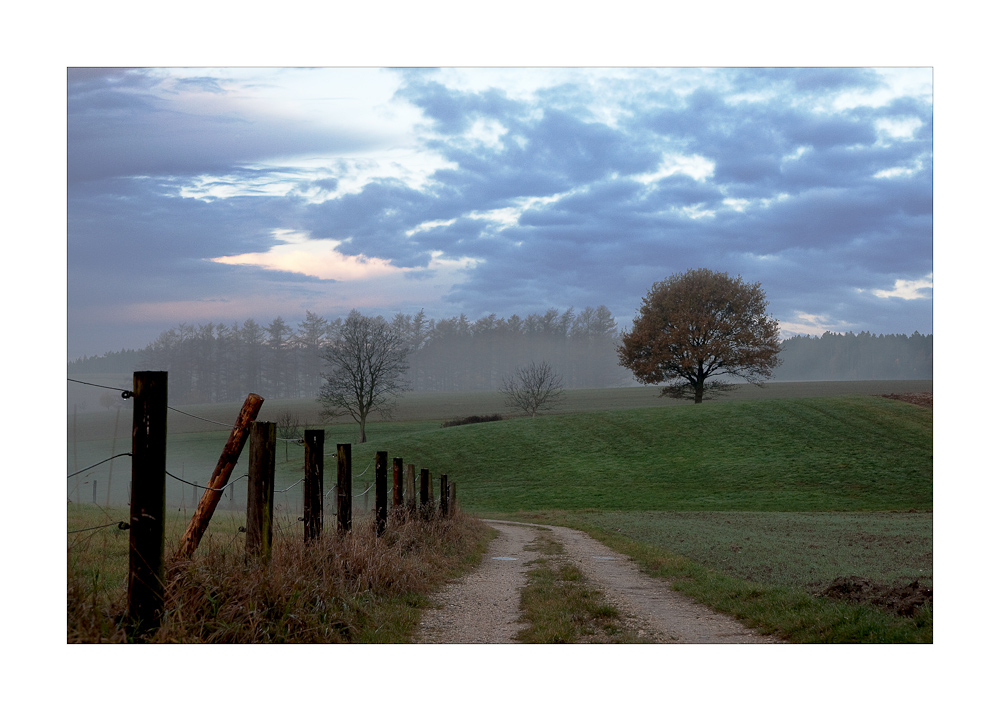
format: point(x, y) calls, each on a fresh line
point(699, 324)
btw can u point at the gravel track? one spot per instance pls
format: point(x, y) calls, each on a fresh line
point(483, 607)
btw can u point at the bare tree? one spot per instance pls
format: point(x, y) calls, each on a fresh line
point(532, 388)
point(289, 428)
point(366, 363)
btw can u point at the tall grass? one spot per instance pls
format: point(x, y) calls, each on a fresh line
point(341, 588)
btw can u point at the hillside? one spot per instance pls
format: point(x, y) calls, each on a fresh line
point(851, 453)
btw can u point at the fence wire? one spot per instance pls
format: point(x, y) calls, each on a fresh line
point(103, 461)
point(207, 488)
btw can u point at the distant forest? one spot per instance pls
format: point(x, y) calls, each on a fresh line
point(219, 363)
point(861, 356)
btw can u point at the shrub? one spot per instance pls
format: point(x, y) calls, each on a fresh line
point(472, 420)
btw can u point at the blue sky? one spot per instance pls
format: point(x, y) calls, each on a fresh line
point(230, 194)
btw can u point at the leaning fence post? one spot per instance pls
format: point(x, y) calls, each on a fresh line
point(260, 490)
point(381, 493)
point(148, 501)
point(444, 496)
point(220, 477)
point(344, 501)
point(312, 506)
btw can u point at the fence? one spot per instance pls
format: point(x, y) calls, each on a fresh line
point(147, 491)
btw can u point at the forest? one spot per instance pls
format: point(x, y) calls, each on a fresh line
point(219, 363)
point(857, 356)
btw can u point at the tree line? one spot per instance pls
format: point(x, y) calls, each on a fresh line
point(220, 363)
point(857, 356)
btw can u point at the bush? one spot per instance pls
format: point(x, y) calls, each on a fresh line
point(471, 420)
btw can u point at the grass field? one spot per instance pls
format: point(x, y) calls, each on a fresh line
point(766, 496)
point(852, 453)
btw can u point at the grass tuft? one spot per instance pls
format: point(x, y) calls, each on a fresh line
point(561, 607)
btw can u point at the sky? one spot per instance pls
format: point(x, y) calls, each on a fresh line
point(222, 194)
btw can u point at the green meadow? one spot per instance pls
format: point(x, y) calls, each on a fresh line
point(752, 503)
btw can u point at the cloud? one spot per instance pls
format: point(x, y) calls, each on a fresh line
point(321, 258)
point(805, 324)
point(146, 123)
point(908, 290)
point(500, 191)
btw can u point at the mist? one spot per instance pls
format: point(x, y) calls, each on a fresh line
point(217, 363)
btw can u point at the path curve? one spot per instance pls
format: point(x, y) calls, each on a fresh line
point(483, 607)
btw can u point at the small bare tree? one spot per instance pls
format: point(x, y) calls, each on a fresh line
point(531, 388)
point(367, 362)
point(289, 429)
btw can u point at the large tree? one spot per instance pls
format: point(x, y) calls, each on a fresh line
point(697, 325)
point(366, 364)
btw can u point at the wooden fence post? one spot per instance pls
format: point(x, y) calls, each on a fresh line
point(444, 496)
point(260, 490)
point(425, 491)
point(148, 501)
point(397, 484)
point(312, 505)
point(411, 488)
point(220, 477)
point(344, 501)
point(381, 493)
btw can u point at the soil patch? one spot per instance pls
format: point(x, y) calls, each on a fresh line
point(921, 399)
point(904, 601)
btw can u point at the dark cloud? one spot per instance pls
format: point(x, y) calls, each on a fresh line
point(123, 123)
point(793, 199)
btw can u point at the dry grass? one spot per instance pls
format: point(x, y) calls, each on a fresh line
point(350, 588)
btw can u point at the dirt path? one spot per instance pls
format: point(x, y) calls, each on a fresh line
point(483, 606)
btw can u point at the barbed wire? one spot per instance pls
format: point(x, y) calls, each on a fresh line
point(203, 419)
point(207, 488)
point(282, 491)
point(121, 525)
point(366, 468)
point(126, 394)
point(123, 454)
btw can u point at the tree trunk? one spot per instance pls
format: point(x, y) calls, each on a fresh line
point(699, 391)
